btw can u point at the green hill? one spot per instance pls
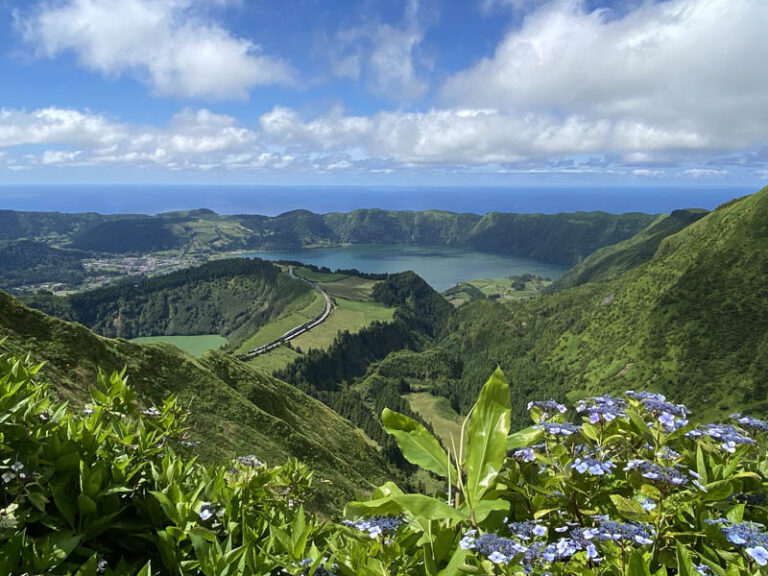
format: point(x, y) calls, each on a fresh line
point(30, 262)
point(690, 322)
point(232, 298)
point(612, 260)
point(235, 409)
point(556, 238)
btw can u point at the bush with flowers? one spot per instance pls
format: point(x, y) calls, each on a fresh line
point(613, 486)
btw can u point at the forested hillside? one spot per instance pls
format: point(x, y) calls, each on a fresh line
point(682, 321)
point(228, 297)
point(27, 261)
point(235, 410)
point(554, 238)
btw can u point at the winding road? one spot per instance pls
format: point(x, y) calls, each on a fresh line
point(298, 330)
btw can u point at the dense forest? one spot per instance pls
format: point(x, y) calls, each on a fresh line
point(231, 297)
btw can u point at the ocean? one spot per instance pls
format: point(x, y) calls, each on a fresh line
point(273, 200)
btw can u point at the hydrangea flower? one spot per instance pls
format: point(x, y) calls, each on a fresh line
point(593, 466)
point(251, 461)
point(377, 525)
point(523, 454)
point(547, 407)
point(527, 530)
point(657, 474)
point(609, 530)
point(152, 412)
point(729, 436)
point(602, 408)
point(207, 511)
point(750, 423)
point(670, 416)
point(559, 429)
point(749, 536)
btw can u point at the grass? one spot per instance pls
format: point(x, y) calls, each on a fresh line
point(192, 345)
point(438, 412)
point(313, 276)
point(303, 309)
point(274, 360)
point(348, 315)
point(503, 289)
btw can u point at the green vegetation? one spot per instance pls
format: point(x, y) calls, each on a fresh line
point(232, 298)
point(632, 490)
point(296, 313)
point(193, 345)
point(29, 262)
point(504, 289)
point(556, 238)
point(681, 323)
point(611, 261)
point(235, 410)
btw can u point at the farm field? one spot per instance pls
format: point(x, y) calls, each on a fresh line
point(192, 345)
point(297, 313)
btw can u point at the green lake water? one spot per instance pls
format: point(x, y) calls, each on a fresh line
point(192, 345)
point(443, 267)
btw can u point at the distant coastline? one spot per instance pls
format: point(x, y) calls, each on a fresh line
point(274, 200)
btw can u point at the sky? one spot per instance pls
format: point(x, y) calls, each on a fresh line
point(431, 92)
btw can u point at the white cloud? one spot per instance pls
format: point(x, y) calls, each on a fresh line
point(704, 173)
point(647, 173)
point(386, 56)
point(165, 43)
point(681, 66)
point(192, 140)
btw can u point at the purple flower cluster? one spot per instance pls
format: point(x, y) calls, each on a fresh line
point(523, 454)
point(547, 408)
point(670, 416)
point(750, 423)
point(749, 536)
point(532, 553)
point(377, 525)
point(559, 429)
point(658, 474)
point(593, 466)
point(602, 408)
point(729, 436)
point(250, 461)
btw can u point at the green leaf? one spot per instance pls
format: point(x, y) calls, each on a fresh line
point(146, 570)
point(629, 509)
point(524, 438)
point(418, 446)
point(410, 504)
point(637, 564)
point(487, 437)
point(685, 566)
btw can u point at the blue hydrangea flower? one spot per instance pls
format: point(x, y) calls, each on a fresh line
point(593, 466)
point(670, 416)
point(750, 423)
point(547, 407)
point(657, 474)
point(559, 429)
point(376, 526)
point(729, 436)
point(602, 408)
point(749, 536)
point(523, 454)
point(207, 511)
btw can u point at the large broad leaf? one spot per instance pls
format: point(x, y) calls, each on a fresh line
point(416, 443)
point(413, 505)
point(487, 437)
point(524, 438)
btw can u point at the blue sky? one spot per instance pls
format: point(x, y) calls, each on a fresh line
point(507, 92)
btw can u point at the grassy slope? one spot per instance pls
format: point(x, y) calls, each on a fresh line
point(235, 409)
point(613, 260)
point(692, 322)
